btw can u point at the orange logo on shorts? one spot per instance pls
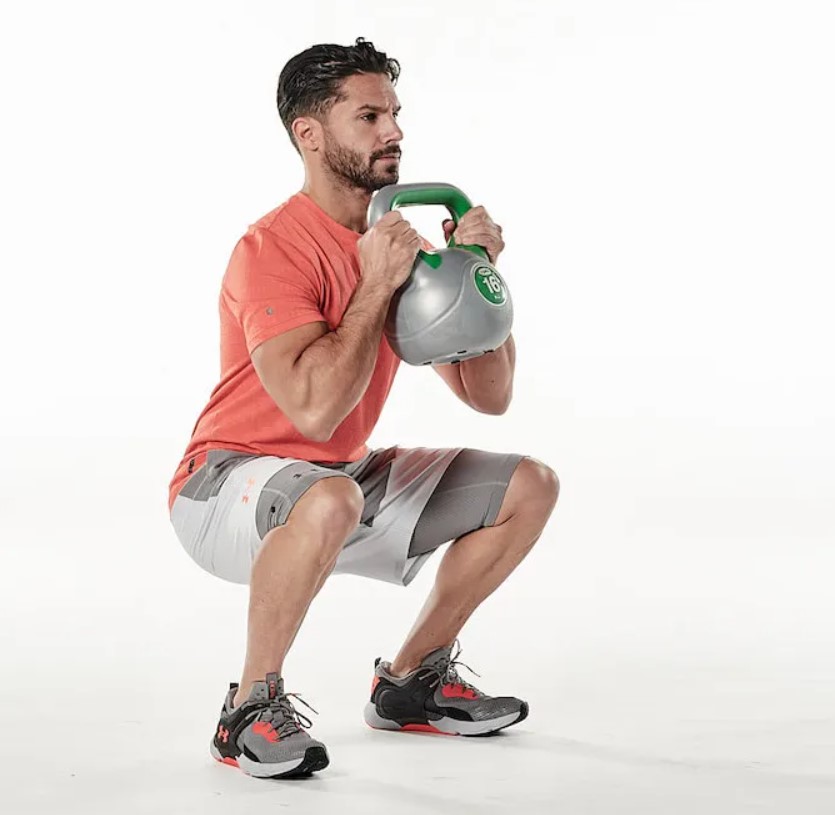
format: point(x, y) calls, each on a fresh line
point(245, 497)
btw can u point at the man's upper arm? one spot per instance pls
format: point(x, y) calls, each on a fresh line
point(270, 288)
point(274, 361)
point(273, 293)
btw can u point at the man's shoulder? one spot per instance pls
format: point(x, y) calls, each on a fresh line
point(278, 239)
point(278, 219)
point(279, 228)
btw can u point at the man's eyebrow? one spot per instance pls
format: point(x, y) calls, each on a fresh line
point(376, 109)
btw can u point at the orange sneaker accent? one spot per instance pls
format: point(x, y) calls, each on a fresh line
point(424, 728)
point(266, 730)
point(457, 692)
point(223, 734)
point(230, 761)
point(374, 683)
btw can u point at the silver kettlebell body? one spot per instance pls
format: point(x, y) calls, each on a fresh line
point(455, 305)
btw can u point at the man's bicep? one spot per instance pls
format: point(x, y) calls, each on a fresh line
point(275, 361)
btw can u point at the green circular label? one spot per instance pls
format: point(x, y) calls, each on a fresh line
point(490, 285)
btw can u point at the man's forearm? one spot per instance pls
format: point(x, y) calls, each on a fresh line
point(488, 379)
point(337, 368)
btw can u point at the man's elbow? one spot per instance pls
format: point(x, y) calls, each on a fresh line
point(495, 407)
point(319, 436)
point(313, 427)
point(305, 422)
point(300, 410)
point(500, 410)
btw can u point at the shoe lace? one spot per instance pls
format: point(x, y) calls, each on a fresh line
point(284, 717)
point(448, 673)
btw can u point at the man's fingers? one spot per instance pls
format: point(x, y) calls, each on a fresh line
point(402, 228)
point(479, 238)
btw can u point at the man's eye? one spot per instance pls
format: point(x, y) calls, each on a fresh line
point(370, 117)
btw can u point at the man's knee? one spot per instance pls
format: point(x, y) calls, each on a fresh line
point(332, 508)
point(534, 486)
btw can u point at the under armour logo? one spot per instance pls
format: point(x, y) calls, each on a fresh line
point(223, 734)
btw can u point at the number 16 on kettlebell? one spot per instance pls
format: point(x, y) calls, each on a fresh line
point(455, 305)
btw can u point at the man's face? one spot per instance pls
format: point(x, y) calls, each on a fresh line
point(362, 139)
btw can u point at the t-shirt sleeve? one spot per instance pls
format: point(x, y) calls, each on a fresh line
point(270, 288)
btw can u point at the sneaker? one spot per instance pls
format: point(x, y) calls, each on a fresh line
point(434, 699)
point(265, 736)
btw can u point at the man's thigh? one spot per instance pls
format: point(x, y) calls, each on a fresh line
point(417, 499)
point(227, 507)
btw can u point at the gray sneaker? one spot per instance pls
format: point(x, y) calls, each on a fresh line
point(265, 736)
point(435, 699)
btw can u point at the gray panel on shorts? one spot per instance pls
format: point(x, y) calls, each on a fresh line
point(372, 474)
point(281, 492)
point(468, 497)
point(283, 489)
point(209, 478)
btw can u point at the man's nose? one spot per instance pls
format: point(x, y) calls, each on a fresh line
point(393, 133)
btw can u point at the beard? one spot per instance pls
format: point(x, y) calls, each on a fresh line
point(359, 171)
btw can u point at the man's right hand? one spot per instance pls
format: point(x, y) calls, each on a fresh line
point(387, 252)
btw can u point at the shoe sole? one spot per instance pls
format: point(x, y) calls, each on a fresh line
point(314, 759)
point(445, 726)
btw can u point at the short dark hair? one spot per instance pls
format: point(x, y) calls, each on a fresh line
point(309, 84)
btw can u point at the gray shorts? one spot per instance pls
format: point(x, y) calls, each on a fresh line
point(415, 501)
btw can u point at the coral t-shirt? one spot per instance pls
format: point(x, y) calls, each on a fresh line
point(296, 265)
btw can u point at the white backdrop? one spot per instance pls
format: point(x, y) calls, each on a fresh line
point(663, 172)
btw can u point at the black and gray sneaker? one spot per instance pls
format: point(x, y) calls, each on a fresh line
point(265, 736)
point(435, 699)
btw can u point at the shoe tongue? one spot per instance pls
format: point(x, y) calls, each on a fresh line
point(438, 659)
point(271, 688)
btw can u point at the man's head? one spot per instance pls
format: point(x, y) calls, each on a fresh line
point(339, 107)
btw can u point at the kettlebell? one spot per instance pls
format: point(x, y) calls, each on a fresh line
point(454, 305)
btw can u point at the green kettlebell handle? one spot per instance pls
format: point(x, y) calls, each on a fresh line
point(407, 195)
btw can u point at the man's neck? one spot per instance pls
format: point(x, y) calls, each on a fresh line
point(347, 206)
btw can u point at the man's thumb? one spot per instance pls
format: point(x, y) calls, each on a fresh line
point(449, 228)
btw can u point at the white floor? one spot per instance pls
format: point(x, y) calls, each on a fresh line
point(645, 698)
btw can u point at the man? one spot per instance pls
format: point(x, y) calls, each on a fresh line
point(277, 487)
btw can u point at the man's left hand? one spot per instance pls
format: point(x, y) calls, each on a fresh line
point(476, 228)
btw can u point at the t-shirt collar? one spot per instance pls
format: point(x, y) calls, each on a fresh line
point(332, 224)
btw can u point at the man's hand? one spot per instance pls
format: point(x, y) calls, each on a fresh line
point(387, 252)
point(476, 228)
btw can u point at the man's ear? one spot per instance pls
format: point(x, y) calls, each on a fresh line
point(308, 133)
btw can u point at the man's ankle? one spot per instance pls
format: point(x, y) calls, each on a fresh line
point(399, 671)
